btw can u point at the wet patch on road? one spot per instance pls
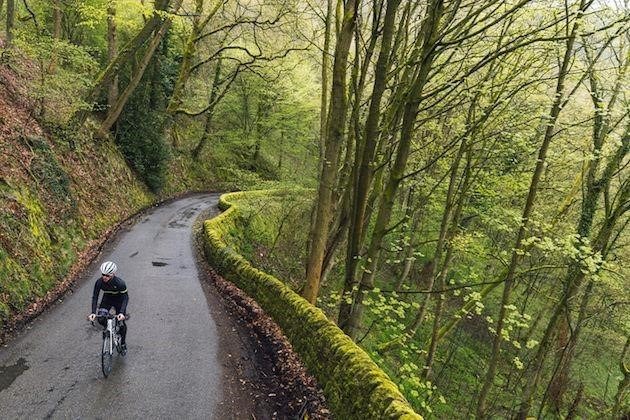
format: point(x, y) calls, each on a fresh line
point(158, 264)
point(61, 400)
point(182, 219)
point(175, 224)
point(9, 373)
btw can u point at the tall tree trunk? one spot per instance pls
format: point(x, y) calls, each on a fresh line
point(115, 111)
point(281, 154)
point(56, 36)
point(415, 218)
point(10, 21)
point(429, 34)
point(334, 140)
point(529, 204)
point(622, 389)
point(428, 271)
point(188, 55)
point(112, 51)
point(594, 188)
point(574, 277)
point(125, 55)
point(572, 413)
point(449, 206)
point(57, 16)
point(209, 113)
point(559, 381)
point(442, 275)
point(186, 64)
point(323, 107)
point(365, 159)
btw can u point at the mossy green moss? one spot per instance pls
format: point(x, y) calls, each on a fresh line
point(354, 386)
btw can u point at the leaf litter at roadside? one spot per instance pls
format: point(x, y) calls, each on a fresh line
point(290, 391)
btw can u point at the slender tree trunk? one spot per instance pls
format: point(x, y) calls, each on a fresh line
point(529, 204)
point(112, 51)
point(334, 141)
point(365, 158)
point(429, 31)
point(572, 413)
point(594, 187)
point(209, 114)
point(57, 16)
point(56, 36)
point(125, 55)
point(10, 21)
point(622, 389)
point(416, 217)
point(441, 281)
point(559, 382)
point(323, 108)
point(333, 245)
point(115, 111)
point(185, 66)
point(281, 154)
point(444, 226)
point(190, 49)
point(429, 268)
point(575, 276)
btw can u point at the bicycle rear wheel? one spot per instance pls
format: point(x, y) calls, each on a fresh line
point(107, 356)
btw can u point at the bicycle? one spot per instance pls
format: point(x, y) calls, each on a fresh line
point(111, 340)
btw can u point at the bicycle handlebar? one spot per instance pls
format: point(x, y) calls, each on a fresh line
point(110, 316)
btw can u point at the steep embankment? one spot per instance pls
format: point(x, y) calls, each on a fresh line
point(59, 194)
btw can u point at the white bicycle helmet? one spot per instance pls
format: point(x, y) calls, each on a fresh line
point(108, 267)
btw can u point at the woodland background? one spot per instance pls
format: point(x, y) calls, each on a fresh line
point(468, 163)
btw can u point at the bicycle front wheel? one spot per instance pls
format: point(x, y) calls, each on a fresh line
point(107, 355)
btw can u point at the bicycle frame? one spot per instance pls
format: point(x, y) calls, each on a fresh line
point(111, 340)
point(111, 331)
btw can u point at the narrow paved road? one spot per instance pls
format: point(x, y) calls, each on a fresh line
point(171, 371)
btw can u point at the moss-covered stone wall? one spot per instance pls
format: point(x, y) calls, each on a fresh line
point(354, 386)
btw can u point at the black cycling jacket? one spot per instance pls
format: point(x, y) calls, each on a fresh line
point(113, 289)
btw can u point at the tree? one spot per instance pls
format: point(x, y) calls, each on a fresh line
point(112, 51)
point(531, 197)
point(334, 140)
point(10, 21)
point(116, 109)
point(594, 187)
point(159, 22)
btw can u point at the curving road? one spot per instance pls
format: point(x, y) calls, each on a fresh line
point(172, 368)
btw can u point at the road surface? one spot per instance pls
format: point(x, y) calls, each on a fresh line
point(172, 370)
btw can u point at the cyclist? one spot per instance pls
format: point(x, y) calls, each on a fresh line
point(114, 296)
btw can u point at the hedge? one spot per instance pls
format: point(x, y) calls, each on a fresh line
point(354, 386)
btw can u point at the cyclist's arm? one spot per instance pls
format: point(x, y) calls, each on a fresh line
point(123, 306)
point(124, 295)
point(97, 289)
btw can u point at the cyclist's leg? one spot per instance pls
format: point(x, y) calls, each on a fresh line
point(117, 304)
point(106, 304)
point(123, 332)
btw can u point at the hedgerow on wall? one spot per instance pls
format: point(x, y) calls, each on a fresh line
point(354, 386)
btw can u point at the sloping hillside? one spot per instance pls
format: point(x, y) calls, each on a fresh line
point(55, 200)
